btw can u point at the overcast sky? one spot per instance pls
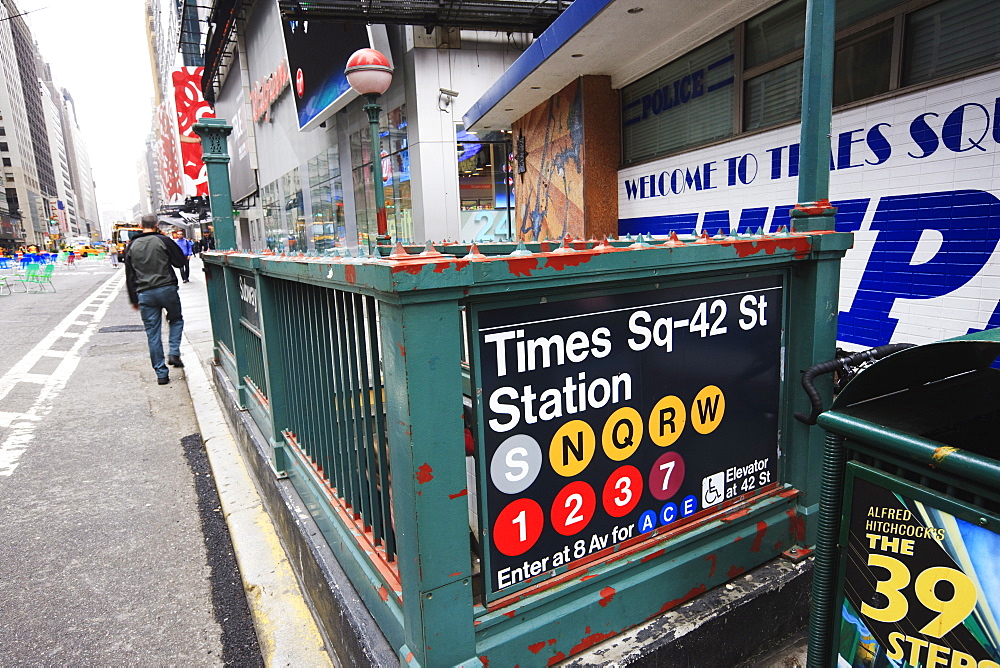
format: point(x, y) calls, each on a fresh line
point(98, 52)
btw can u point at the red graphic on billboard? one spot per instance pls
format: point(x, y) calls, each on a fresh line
point(169, 156)
point(191, 107)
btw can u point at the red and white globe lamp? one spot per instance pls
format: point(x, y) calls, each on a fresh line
point(369, 73)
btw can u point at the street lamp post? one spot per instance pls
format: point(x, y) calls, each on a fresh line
point(369, 73)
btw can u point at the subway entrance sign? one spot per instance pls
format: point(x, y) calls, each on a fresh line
point(606, 421)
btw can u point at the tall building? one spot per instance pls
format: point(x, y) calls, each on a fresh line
point(176, 69)
point(80, 171)
point(48, 193)
point(22, 188)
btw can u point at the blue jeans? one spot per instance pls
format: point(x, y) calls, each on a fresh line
point(151, 304)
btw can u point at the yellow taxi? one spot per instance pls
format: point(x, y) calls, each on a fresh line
point(84, 251)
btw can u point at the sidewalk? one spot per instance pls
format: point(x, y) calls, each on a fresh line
point(286, 630)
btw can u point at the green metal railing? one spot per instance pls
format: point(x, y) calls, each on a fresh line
point(358, 380)
point(336, 416)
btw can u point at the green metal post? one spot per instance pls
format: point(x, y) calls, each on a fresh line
point(814, 211)
point(382, 225)
point(420, 345)
point(215, 153)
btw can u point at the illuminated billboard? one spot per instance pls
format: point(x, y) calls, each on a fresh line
point(317, 56)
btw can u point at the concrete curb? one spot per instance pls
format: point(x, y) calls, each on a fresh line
point(286, 630)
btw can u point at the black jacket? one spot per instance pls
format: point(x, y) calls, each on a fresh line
point(148, 261)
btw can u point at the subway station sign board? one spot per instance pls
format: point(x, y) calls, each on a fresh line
point(607, 420)
point(920, 578)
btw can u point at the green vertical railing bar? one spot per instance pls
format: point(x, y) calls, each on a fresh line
point(308, 353)
point(347, 402)
point(339, 396)
point(358, 389)
point(218, 307)
point(232, 289)
point(274, 346)
point(382, 445)
point(250, 349)
point(321, 345)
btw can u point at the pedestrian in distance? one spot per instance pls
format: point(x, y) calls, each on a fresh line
point(113, 252)
point(152, 288)
point(185, 246)
point(207, 241)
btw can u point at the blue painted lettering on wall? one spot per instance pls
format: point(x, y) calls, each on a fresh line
point(675, 93)
point(968, 221)
point(968, 128)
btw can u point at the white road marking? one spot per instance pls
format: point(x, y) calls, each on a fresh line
point(22, 425)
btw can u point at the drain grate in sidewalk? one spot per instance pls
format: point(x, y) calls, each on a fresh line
point(121, 328)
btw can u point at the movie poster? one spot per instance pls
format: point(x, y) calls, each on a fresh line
point(921, 585)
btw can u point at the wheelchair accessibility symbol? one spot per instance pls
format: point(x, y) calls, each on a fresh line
point(713, 489)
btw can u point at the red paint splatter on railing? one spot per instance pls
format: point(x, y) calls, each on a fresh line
point(425, 474)
point(351, 274)
point(759, 538)
point(736, 570)
point(589, 641)
point(553, 660)
point(799, 245)
point(653, 555)
point(537, 647)
point(522, 266)
point(456, 495)
point(560, 262)
point(711, 559)
point(670, 605)
point(797, 526)
point(412, 268)
point(607, 594)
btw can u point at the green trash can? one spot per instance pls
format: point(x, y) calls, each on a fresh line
point(908, 560)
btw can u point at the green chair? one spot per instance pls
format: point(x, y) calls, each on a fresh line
point(6, 285)
point(45, 277)
point(34, 273)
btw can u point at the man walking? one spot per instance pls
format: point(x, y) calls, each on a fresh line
point(152, 288)
point(186, 248)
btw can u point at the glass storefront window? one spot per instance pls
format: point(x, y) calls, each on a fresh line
point(327, 228)
point(274, 227)
point(484, 185)
point(773, 97)
point(949, 37)
point(395, 166)
point(294, 211)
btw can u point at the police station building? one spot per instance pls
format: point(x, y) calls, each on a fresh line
point(699, 131)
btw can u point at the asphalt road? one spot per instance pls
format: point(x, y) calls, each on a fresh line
point(113, 549)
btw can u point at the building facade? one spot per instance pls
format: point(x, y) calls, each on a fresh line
point(708, 132)
point(178, 171)
point(301, 163)
point(48, 186)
